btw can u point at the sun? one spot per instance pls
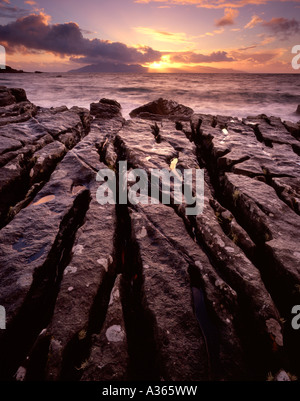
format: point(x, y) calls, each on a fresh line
point(160, 66)
point(165, 64)
point(156, 66)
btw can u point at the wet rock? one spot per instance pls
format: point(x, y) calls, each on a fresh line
point(23, 160)
point(10, 96)
point(46, 159)
point(274, 223)
point(59, 122)
point(172, 327)
point(293, 128)
point(146, 291)
point(181, 267)
point(111, 102)
point(162, 108)
point(14, 106)
point(241, 275)
point(6, 97)
point(16, 113)
point(109, 356)
point(106, 108)
point(270, 130)
point(86, 278)
point(288, 188)
point(19, 94)
point(85, 117)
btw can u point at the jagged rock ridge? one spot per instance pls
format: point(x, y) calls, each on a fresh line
point(140, 292)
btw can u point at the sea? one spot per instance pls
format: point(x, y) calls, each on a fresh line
point(236, 95)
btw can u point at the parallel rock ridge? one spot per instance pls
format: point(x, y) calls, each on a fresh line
point(145, 292)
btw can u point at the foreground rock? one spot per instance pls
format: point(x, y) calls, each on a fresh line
point(106, 108)
point(145, 291)
point(162, 108)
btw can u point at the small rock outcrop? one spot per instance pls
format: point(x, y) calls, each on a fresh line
point(14, 106)
point(10, 96)
point(144, 291)
point(162, 108)
point(10, 70)
point(106, 108)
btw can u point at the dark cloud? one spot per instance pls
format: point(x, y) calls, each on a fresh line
point(35, 32)
point(8, 11)
point(229, 17)
point(191, 57)
point(258, 57)
point(242, 49)
point(283, 27)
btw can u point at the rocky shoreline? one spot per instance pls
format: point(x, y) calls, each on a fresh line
point(123, 292)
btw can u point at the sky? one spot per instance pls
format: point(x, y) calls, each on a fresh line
point(255, 36)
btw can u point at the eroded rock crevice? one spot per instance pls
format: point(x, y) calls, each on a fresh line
point(256, 207)
point(144, 291)
point(36, 310)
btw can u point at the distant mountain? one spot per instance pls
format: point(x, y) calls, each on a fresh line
point(10, 70)
point(204, 70)
point(136, 68)
point(111, 67)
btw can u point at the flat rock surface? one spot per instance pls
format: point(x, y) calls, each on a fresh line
point(97, 291)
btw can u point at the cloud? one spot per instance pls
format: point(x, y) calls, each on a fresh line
point(195, 58)
point(283, 27)
point(34, 32)
point(8, 11)
point(253, 22)
point(165, 36)
point(213, 3)
point(267, 40)
point(229, 16)
point(259, 57)
point(175, 37)
point(215, 32)
point(30, 2)
point(243, 49)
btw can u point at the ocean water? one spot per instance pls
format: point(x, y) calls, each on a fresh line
point(237, 95)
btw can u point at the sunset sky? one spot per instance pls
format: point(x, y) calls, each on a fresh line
point(160, 35)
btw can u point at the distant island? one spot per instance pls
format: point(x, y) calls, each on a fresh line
point(10, 70)
point(130, 68)
point(112, 67)
point(137, 68)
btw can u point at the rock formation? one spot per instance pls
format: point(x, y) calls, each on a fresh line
point(145, 292)
point(163, 108)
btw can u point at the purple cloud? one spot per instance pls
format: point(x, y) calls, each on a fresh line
point(8, 11)
point(283, 27)
point(35, 33)
point(191, 57)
